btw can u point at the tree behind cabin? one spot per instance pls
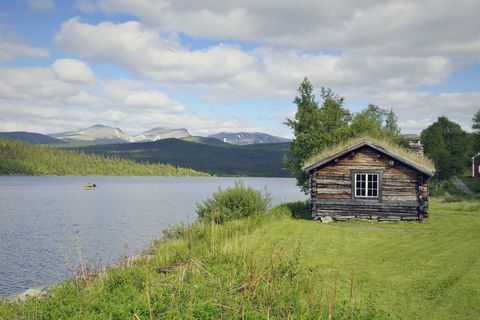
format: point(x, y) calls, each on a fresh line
point(476, 132)
point(447, 145)
point(315, 127)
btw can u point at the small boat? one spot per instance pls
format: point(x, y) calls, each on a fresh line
point(90, 186)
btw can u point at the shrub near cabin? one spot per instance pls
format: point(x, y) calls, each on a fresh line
point(368, 180)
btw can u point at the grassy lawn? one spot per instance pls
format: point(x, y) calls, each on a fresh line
point(277, 267)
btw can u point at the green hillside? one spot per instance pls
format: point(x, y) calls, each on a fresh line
point(202, 154)
point(30, 137)
point(19, 158)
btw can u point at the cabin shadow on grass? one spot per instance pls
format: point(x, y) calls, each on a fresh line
point(300, 210)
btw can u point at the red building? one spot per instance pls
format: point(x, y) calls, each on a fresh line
point(476, 166)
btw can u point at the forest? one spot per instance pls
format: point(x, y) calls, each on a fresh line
point(218, 158)
point(19, 158)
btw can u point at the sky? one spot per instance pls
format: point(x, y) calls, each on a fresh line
point(212, 66)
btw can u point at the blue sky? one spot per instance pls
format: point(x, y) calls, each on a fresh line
point(215, 66)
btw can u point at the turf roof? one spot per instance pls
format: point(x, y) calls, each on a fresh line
point(415, 160)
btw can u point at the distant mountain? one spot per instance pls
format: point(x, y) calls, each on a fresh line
point(242, 138)
point(204, 140)
point(30, 137)
point(160, 133)
point(261, 160)
point(100, 134)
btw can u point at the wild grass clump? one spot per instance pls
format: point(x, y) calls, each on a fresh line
point(175, 231)
point(211, 271)
point(235, 202)
point(448, 197)
point(299, 209)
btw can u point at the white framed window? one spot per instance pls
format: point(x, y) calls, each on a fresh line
point(366, 185)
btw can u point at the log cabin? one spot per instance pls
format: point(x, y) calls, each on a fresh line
point(369, 179)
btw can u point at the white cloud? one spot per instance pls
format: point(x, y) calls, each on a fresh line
point(146, 53)
point(417, 110)
point(36, 99)
point(33, 84)
point(41, 5)
point(430, 27)
point(72, 70)
point(152, 99)
point(227, 73)
point(12, 46)
point(383, 52)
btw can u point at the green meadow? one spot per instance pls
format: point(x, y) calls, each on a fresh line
point(279, 265)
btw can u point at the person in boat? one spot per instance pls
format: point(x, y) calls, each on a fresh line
point(90, 185)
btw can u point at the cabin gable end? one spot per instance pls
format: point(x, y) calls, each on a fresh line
point(366, 183)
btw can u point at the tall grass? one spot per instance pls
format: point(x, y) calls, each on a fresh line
point(273, 266)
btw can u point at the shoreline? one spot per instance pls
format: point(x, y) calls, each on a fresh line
point(43, 291)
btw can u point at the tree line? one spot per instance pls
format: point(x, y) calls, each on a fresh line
point(19, 158)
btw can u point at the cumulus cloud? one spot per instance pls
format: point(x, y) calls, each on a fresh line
point(152, 99)
point(227, 72)
point(72, 70)
point(37, 99)
point(383, 52)
point(41, 5)
point(146, 53)
point(431, 27)
point(417, 110)
point(13, 46)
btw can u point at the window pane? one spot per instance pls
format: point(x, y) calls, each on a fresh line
point(366, 185)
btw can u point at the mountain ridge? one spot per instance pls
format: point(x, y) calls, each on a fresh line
point(30, 137)
point(245, 138)
point(103, 134)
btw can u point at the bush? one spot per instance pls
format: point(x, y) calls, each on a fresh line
point(175, 231)
point(233, 203)
point(448, 197)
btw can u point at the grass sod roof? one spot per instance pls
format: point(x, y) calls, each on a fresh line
point(387, 147)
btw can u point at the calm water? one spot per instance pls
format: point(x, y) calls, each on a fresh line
point(41, 218)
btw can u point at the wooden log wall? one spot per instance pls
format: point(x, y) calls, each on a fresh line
point(403, 193)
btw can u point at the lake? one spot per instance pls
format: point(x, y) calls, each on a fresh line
point(43, 220)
